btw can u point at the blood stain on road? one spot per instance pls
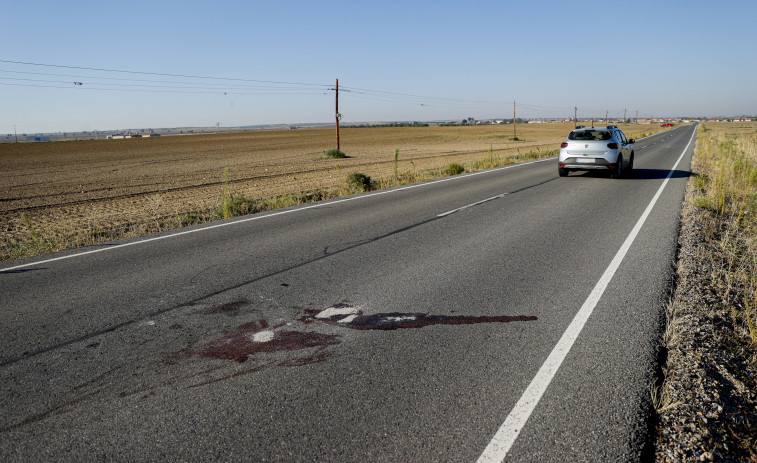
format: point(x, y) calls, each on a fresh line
point(350, 317)
point(257, 337)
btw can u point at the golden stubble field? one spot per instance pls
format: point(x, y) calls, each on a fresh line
point(60, 195)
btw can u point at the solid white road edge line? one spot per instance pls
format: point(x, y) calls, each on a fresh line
point(274, 214)
point(503, 440)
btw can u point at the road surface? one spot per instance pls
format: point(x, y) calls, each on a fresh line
point(508, 314)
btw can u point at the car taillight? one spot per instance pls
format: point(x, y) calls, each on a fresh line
point(612, 146)
point(564, 145)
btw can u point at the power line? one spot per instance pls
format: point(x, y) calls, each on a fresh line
point(82, 77)
point(157, 73)
point(200, 84)
point(77, 87)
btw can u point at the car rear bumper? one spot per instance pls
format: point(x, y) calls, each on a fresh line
point(585, 163)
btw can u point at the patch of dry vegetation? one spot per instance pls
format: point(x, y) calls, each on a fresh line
point(707, 406)
point(726, 184)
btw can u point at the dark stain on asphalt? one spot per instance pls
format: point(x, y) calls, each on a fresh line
point(257, 337)
point(399, 320)
point(249, 339)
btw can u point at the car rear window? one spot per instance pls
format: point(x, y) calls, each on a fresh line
point(589, 135)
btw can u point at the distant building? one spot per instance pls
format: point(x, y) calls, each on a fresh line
point(121, 136)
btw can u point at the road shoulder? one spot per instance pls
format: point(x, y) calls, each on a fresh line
point(707, 404)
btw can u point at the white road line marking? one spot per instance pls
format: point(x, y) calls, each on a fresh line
point(334, 311)
point(273, 214)
point(444, 214)
point(506, 435)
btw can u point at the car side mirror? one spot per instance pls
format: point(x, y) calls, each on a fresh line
point(632, 141)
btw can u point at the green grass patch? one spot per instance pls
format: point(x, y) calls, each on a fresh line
point(453, 169)
point(334, 153)
point(358, 182)
point(189, 219)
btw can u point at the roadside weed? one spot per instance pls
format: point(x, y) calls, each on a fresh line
point(725, 166)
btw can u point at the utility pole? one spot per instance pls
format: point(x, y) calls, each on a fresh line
point(337, 115)
point(606, 113)
point(514, 123)
point(637, 116)
point(575, 116)
point(624, 115)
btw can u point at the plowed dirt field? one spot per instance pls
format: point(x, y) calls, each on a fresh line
point(59, 195)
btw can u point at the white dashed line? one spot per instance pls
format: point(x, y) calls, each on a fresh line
point(444, 214)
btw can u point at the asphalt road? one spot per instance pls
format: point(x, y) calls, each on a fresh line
point(401, 325)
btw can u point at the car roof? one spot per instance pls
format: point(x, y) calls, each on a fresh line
point(596, 128)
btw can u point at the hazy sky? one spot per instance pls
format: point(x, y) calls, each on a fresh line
point(190, 63)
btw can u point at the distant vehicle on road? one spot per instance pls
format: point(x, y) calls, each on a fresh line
point(666, 125)
point(597, 148)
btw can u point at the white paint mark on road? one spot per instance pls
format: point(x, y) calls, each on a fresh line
point(263, 336)
point(444, 214)
point(505, 437)
point(336, 311)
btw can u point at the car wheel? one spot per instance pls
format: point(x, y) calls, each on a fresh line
point(617, 172)
point(562, 171)
point(629, 167)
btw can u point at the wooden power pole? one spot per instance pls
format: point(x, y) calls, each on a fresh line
point(337, 115)
point(514, 123)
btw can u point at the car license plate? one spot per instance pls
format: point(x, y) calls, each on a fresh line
point(585, 160)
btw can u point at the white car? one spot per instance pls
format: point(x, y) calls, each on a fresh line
point(597, 148)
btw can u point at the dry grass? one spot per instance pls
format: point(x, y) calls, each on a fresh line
point(707, 401)
point(725, 165)
point(62, 195)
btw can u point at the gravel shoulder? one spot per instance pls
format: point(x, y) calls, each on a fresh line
point(707, 406)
